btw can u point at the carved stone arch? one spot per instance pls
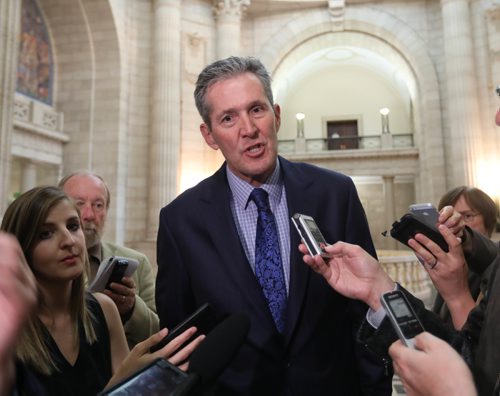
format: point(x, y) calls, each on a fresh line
point(88, 90)
point(394, 38)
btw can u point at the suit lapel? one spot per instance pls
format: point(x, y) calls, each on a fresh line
point(296, 183)
point(218, 217)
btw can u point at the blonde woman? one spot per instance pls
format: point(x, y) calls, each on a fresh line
point(75, 344)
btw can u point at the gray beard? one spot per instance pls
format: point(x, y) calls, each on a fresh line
point(92, 238)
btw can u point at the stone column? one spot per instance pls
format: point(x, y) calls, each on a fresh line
point(166, 110)
point(10, 18)
point(463, 110)
point(29, 176)
point(228, 15)
point(389, 208)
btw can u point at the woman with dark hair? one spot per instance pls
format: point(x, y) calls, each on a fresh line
point(75, 344)
point(479, 212)
point(476, 207)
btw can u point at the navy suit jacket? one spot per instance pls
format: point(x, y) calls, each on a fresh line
point(201, 259)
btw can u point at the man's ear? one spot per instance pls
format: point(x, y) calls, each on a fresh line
point(277, 116)
point(207, 135)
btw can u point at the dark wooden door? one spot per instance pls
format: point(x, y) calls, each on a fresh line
point(342, 135)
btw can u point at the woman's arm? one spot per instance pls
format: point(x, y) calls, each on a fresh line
point(118, 342)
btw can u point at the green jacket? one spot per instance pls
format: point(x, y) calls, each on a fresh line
point(144, 320)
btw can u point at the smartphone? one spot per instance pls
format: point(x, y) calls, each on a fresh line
point(118, 272)
point(402, 316)
point(310, 234)
point(156, 379)
point(204, 319)
point(426, 212)
point(411, 224)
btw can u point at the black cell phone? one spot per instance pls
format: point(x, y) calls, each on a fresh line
point(411, 224)
point(310, 234)
point(204, 319)
point(156, 379)
point(118, 272)
point(402, 316)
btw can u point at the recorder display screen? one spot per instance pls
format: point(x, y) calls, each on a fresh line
point(400, 308)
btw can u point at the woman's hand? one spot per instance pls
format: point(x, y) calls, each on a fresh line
point(448, 272)
point(140, 356)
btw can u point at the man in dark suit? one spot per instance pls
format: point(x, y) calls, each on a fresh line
point(207, 249)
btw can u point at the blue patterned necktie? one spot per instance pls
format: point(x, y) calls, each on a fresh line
point(268, 268)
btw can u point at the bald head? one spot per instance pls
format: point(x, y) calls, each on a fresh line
point(91, 196)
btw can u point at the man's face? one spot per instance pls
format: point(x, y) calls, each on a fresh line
point(89, 194)
point(244, 126)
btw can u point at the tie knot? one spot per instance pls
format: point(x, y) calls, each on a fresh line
point(259, 196)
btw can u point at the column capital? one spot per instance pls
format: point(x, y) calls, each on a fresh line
point(231, 8)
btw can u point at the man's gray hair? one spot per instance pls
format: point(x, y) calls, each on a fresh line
point(224, 69)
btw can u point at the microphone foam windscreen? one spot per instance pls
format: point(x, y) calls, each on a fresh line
point(220, 346)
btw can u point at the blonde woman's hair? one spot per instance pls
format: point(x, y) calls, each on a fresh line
point(24, 218)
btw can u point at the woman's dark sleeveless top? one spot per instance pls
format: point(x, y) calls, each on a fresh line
point(92, 369)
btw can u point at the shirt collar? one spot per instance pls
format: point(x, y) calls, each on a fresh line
point(241, 190)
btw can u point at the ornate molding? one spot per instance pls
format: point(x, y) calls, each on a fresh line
point(194, 55)
point(230, 8)
point(337, 10)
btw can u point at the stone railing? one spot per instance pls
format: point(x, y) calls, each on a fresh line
point(39, 115)
point(367, 142)
point(404, 268)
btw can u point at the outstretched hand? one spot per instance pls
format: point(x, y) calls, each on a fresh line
point(352, 272)
point(18, 297)
point(421, 369)
point(140, 355)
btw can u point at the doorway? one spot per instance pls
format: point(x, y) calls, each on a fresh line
point(342, 135)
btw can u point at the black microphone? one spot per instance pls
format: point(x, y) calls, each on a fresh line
point(215, 353)
point(207, 362)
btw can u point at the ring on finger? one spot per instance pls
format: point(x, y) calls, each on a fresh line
point(432, 265)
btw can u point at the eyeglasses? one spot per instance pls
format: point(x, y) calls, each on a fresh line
point(468, 217)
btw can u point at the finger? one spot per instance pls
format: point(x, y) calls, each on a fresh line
point(445, 213)
point(175, 344)
point(395, 349)
point(118, 299)
point(183, 354)
point(430, 245)
point(319, 265)
point(426, 341)
point(128, 282)
point(449, 236)
point(184, 366)
point(303, 248)
point(120, 288)
point(421, 251)
point(144, 346)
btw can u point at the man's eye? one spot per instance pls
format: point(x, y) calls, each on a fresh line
point(227, 118)
point(98, 206)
